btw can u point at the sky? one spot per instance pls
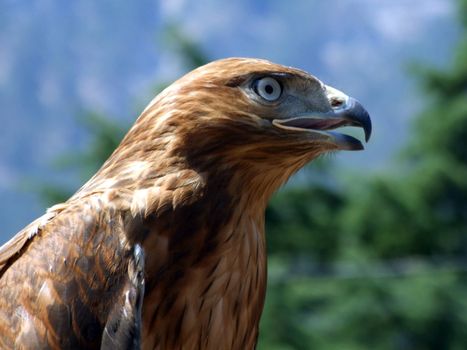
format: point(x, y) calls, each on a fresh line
point(60, 59)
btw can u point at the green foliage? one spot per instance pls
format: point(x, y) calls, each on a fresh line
point(105, 137)
point(188, 50)
point(293, 214)
point(365, 311)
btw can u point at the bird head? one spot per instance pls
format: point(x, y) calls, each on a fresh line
point(288, 100)
point(248, 114)
point(250, 106)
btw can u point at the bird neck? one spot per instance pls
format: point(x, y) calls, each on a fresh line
point(201, 224)
point(205, 268)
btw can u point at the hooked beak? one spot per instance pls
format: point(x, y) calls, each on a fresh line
point(345, 111)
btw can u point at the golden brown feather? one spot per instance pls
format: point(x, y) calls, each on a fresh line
point(189, 184)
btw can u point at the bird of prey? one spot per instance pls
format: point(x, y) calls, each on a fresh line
point(164, 247)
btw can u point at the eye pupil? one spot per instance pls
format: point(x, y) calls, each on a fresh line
point(269, 89)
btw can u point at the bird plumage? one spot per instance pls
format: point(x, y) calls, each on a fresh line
point(183, 197)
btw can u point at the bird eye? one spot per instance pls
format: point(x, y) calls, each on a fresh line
point(268, 88)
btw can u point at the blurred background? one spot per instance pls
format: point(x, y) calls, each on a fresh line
point(367, 250)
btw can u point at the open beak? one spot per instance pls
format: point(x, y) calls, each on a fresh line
point(345, 111)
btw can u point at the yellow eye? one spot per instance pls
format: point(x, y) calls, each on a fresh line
point(268, 88)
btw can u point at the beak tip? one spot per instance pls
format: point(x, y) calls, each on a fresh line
point(367, 127)
point(360, 115)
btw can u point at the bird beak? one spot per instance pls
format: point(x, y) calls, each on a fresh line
point(345, 111)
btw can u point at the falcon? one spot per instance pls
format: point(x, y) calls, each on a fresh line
point(164, 247)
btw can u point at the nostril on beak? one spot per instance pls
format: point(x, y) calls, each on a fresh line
point(337, 99)
point(337, 102)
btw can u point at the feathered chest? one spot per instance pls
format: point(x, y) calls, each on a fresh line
point(205, 279)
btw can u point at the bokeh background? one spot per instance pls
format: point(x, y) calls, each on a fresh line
point(367, 250)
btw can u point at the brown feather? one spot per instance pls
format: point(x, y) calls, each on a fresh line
point(190, 183)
